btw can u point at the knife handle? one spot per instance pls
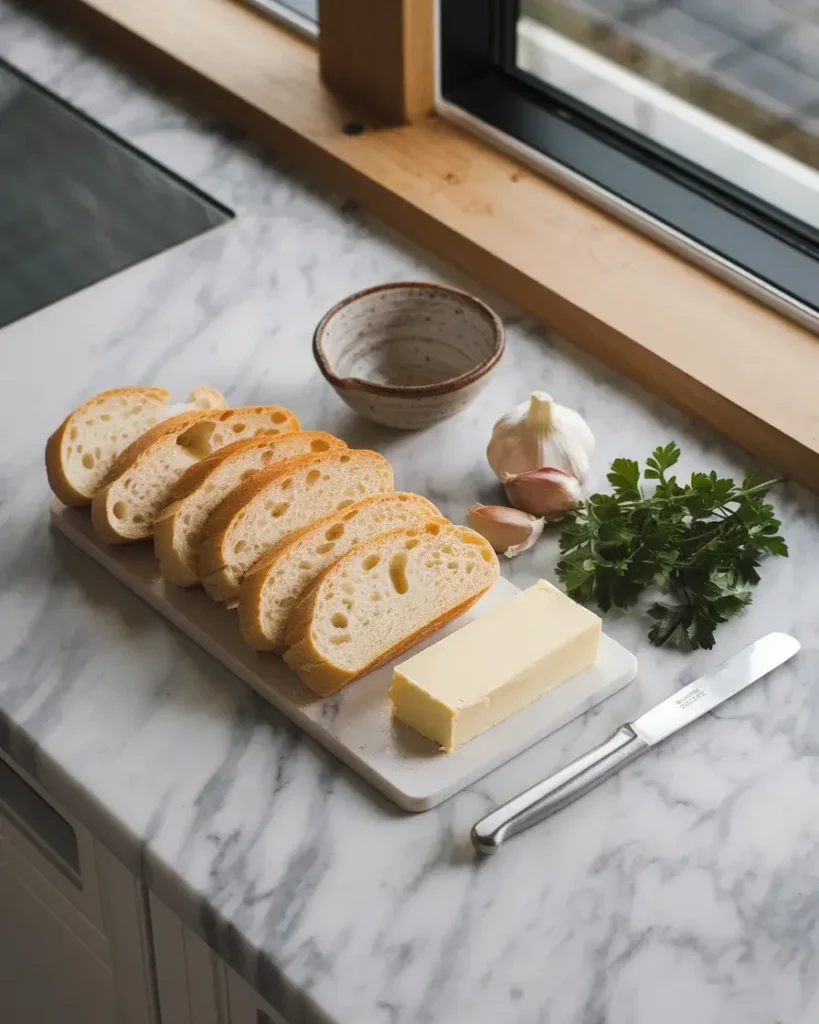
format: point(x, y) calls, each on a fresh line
point(558, 791)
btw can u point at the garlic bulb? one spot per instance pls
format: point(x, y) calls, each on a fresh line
point(507, 529)
point(547, 492)
point(537, 433)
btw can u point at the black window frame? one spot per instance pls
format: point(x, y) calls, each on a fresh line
point(478, 75)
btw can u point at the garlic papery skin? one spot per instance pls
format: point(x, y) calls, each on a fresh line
point(548, 492)
point(539, 432)
point(507, 529)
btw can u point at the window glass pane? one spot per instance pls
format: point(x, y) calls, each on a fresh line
point(730, 84)
point(299, 13)
point(306, 8)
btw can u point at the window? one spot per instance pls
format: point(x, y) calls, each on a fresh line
point(301, 15)
point(696, 120)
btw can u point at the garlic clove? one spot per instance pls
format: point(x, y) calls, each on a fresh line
point(537, 433)
point(531, 540)
point(548, 492)
point(507, 529)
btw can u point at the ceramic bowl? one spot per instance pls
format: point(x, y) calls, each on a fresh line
point(408, 355)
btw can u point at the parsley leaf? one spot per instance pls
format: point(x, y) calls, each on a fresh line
point(700, 542)
point(625, 478)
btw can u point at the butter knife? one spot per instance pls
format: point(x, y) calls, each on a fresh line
point(632, 740)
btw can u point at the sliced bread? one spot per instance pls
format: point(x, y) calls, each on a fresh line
point(276, 583)
point(278, 501)
point(142, 479)
point(384, 596)
point(178, 529)
point(81, 452)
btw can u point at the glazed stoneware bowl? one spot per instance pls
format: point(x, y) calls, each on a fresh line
point(408, 355)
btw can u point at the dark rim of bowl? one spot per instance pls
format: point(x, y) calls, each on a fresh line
point(442, 387)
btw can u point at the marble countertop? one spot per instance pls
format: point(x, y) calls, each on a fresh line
point(682, 891)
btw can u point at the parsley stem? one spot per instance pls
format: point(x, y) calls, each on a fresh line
point(766, 485)
point(654, 501)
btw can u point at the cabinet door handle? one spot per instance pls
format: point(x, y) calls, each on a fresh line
point(28, 812)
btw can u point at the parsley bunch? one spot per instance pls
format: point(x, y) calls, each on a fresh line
point(700, 542)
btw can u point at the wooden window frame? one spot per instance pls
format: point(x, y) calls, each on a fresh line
point(704, 347)
point(704, 217)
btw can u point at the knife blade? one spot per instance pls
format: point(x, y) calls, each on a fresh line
point(692, 701)
point(631, 740)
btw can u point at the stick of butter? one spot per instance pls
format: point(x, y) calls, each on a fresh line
point(494, 666)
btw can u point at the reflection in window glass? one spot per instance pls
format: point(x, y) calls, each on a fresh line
point(733, 86)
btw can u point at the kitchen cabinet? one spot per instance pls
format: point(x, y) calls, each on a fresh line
point(75, 942)
point(195, 985)
point(83, 942)
point(47, 972)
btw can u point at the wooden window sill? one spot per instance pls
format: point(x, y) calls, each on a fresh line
point(705, 348)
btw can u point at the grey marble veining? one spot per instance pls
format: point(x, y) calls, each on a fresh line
point(682, 891)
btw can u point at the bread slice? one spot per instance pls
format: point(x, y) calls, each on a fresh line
point(142, 479)
point(276, 583)
point(178, 529)
point(81, 452)
point(277, 502)
point(384, 596)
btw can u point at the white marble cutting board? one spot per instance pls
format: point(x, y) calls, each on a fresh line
point(356, 724)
